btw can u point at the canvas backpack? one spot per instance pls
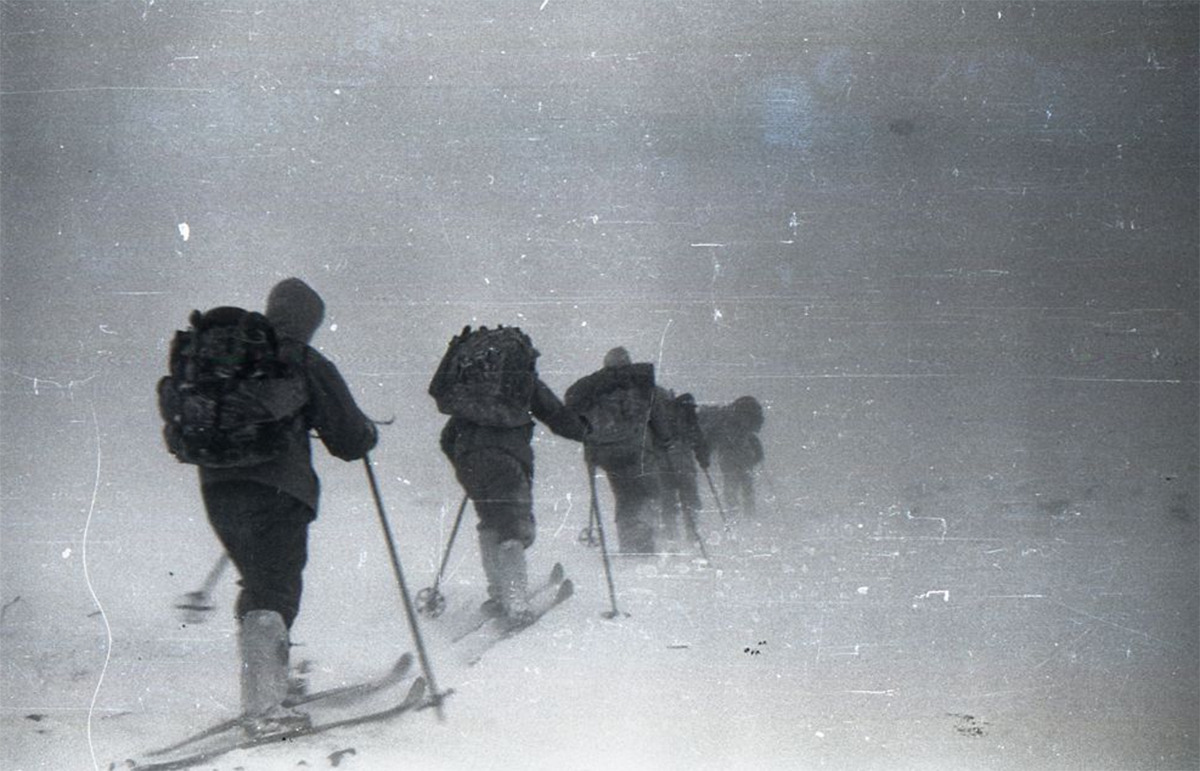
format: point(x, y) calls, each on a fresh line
point(615, 403)
point(230, 400)
point(487, 376)
point(746, 413)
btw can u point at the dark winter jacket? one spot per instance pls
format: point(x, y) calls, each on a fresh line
point(732, 432)
point(740, 451)
point(461, 437)
point(685, 439)
point(651, 424)
point(295, 311)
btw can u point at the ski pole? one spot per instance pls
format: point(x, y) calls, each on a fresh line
point(689, 515)
point(436, 696)
point(612, 592)
point(716, 498)
point(430, 599)
point(196, 604)
point(587, 536)
point(214, 575)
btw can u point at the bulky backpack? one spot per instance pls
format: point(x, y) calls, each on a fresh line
point(747, 414)
point(487, 376)
point(615, 402)
point(230, 400)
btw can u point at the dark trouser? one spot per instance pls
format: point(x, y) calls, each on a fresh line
point(500, 488)
point(679, 490)
point(633, 477)
point(265, 533)
point(679, 493)
point(738, 482)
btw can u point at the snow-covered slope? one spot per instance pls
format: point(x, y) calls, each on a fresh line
point(957, 612)
point(952, 247)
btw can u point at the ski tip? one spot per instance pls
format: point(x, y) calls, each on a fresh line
point(416, 692)
point(565, 590)
point(403, 663)
point(420, 697)
point(557, 573)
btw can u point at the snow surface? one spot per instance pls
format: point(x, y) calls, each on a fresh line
point(993, 600)
point(951, 247)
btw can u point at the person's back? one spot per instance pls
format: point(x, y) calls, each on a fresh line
point(685, 447)
point(617, 403)
point(687, 428)
point(261, 512)
point(493, 397)
point(625, 423)
point(295, 311)
point(732, 431)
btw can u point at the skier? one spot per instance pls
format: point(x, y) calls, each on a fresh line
point(626, 419)
point(487, 382)
point(261, 512)
point(685, 447)
point(732, 432)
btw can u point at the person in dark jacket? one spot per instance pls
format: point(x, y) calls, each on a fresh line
point(494, 465)
point(732, 432)
point(626, 421)
point(685, 447)
point(262, 513)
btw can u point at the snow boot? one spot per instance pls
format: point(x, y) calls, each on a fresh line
point(489, 548)
point(298, 679)
point(263, 640)
point(514, 582)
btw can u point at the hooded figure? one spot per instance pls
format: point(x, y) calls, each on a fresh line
point(261, 513)
point(677, 458)
point(617, 357)
point(732, 432)
point(295, 310)
point(626, 420)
